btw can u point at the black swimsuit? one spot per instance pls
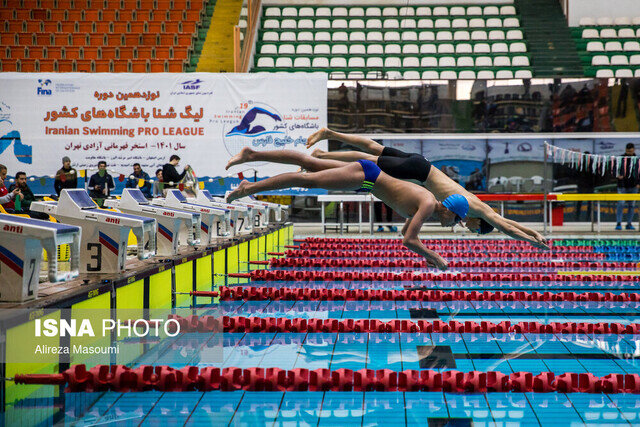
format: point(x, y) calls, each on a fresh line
point(403, 165)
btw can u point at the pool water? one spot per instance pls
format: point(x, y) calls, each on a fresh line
point(599, 354)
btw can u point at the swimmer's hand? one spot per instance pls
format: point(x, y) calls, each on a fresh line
point(541, 243)
point(317, 136)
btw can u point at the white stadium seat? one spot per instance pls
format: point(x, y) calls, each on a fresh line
point(265, 62)
point(457, 11)
point(373, 11)
point(272, 11)
point(407, 11)
point(323, 11)
point(485, 75)
point(392, 62)
point(339, 11)
point(590, 33)
point(430, 75)
point(356, 62)
point(302, 62)
point(390, 11)
point(624, 73)
point(423, 11)
point(595, 47)
point(410, 62)
point(491, 10)
point(467, 75)
point(604, 73)
point(304, 49)
point(427, 48)
point(440, 11)
point(484, 61)
point(338, 62)
point(619, 60)
point(410, 49)
point(523, 74)
point(507, 10)
point(306, 11)
point(392, 49)
point(290, 11)
point(504, 74)
point(481, 48)
point(428, 62)
point(320, 62)
point(375, 49)
point(357, 49)
point(501, 61)
point(321, 49)
point(356, 11)
point(284, 63)
point(448, 75)
point(604, 21)
point(474, 11)
point(411, 75)
point(465, 61)
point(286, 49)
point(374, 61)
point(268, 49)
point(520, 61)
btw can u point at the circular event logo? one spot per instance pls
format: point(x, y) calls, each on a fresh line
point(258, 129)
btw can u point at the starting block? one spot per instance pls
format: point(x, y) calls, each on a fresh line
point(260, 214)
point(215, 222)
point(240, 215)
point(274, 210)
point(104, 233)
point(169, 220)
point(21, 243)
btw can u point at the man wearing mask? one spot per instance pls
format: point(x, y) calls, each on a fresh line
point(101, 184)
point(66, 177)
point(170, 174)
point(134, 180)
point(5, 195)
point(629, 185)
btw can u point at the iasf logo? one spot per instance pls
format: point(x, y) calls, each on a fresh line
point(191, 84)
point(44, 87)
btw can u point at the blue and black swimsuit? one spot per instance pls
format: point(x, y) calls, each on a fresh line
point(371, 173)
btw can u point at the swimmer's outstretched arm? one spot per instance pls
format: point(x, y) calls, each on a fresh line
point(510, 230)
point(539, 237)
point(365, 144)
point(412, 241)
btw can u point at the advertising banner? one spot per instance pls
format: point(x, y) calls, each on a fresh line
point(145, 118)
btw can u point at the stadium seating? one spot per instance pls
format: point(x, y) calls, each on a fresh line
point(99, 35)
point(608, 47)
point(428, 42)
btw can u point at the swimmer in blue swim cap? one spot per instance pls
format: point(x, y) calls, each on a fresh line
point(481, 218)
point(409, 200)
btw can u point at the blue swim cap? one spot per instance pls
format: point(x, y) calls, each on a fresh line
point(457, 204)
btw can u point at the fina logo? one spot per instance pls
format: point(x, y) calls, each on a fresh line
point(191, 84)
point(45, 87)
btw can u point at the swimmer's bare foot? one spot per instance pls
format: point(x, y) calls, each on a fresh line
point(317, 136)
point(239, 192)
point(241, 157)
point(318, 153)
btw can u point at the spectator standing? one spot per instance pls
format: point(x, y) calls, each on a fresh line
point(134, 180)
point(627, 185)
point(66, 177)
point(101, 184)
point(586, 182)
point(170, 174)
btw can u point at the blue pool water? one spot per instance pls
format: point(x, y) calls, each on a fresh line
point(601, 355)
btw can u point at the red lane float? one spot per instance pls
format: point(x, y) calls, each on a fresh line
point(239, 293)
point(416, 263)
point(239, 324)
point(368, 276)
point(440, 247)
point(121, 378)
point(313, 253)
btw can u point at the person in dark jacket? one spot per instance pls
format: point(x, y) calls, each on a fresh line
point(134, 180)
point(26, 197)
point(170, 174)
point(627, 184)
point(101, 184)
point(66, 177)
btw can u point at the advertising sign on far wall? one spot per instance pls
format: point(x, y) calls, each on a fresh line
point(145, 118)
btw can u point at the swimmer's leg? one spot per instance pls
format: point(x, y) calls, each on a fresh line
point(344, 156)
point(347, 177)
point(288, 157)
point(365, 144)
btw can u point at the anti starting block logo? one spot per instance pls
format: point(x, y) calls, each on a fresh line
point(45, 87)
